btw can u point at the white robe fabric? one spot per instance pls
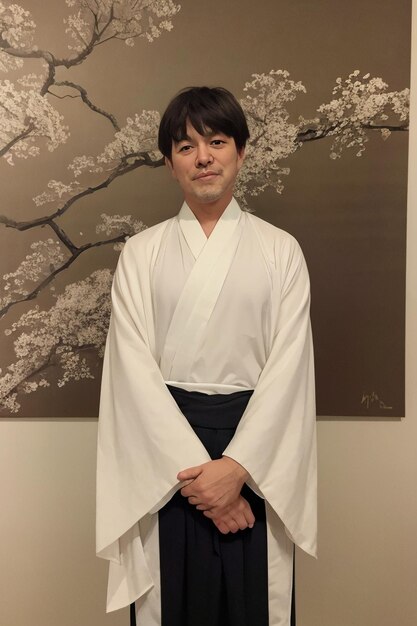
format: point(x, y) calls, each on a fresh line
point(216, 315)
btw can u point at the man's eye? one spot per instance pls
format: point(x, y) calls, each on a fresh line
point(217, 142)
point(185, 148)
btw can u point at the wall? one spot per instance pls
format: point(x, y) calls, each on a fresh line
point(49, 575)
point(367, 568)
point(368, 511)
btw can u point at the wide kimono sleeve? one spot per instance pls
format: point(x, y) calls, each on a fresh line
point(143, 438)
point(276, 437)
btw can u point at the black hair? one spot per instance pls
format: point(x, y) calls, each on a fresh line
point(208, 109)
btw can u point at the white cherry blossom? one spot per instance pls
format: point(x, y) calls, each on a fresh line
point(16, 25)
point(28, 114)
point(358, 105)
point(101, 20)
point(273, 136)
point(46, 256)
point(58, 190)
point(77, 321)
point(115, 224)
point(137, 136)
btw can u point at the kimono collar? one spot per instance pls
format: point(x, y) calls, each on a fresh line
point(191, 228)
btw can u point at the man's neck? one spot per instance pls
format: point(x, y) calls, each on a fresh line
point(209, 213)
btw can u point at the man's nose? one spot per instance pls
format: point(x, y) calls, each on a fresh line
point(203, 156)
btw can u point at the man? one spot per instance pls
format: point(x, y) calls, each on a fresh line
point(206, 451)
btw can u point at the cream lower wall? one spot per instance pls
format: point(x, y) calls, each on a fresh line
point(49, 575)
point(366, 574)
point(367, 571)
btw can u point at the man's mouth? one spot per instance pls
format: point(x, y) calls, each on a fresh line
point(206, 175)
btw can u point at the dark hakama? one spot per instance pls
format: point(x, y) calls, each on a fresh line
point(207, 578)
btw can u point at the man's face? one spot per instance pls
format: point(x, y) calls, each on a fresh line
point(205, 167)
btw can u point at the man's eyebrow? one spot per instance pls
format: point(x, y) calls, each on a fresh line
point(186, 138)
point(209, 133)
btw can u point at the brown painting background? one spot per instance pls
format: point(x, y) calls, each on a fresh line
point(349, 215)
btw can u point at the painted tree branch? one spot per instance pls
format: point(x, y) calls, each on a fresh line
point(87, 101)
point(63, 237)
point(77, 251)
point(313, 132)
point(128, 26)
point(96, 22)
point(16, 139)
point(122, 169)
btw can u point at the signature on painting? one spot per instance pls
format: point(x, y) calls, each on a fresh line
point(372, 399)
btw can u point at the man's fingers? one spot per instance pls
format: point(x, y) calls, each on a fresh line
point(233, 525)
point(200, 506)
point(188, 490)
point(247, 511)
point(190, 473)
point(222, 527)
point(241, 521)
point(243, 510)
point(238, 514)
point(216, 482)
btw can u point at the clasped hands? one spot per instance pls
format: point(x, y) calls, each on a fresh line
point(214, 488)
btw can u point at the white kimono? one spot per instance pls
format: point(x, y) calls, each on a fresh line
point(216, 315)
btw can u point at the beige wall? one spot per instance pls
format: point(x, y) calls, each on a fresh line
point(49, 575)
point(367, 571)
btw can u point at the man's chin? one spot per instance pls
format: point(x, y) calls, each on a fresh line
point(209, 195)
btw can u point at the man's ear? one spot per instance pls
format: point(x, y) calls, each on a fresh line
point(169, 165)
point(241, 157)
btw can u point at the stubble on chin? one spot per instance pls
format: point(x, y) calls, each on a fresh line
point(209, 195)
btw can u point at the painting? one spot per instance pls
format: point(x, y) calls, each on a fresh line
point(324, 86)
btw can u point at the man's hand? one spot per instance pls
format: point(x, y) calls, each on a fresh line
point(234, 517)
point(213, 484)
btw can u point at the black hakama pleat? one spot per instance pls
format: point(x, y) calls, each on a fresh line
point(207, 578)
